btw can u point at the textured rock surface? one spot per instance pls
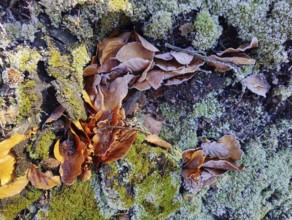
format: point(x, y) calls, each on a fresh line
point(50, 42)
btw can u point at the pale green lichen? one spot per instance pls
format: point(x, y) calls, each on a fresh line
point(160, 24)
point(284, 92)
point(9, 208)
point(73, 202)
point(206, 31)
point(183, 136)
point(41, 147)
point(208, 108)
point(268, 20)
point(267, 163)
point(24, 59)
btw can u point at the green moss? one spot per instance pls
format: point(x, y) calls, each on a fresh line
point(128, 183)
point(43, 143)
point(26, 98)
point(159, 26)
point(59, 65)
point(74, 202)
point(159, 201)
point(67, 69)
point(206, 31)
point(80, 58)
point(9, 208)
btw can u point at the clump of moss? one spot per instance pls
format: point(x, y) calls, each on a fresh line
point(74, 202)
point(26, 98)
point(206, 31)
point(128, 183)
point(41, 148)
point(68, 69)
point(160, 24)
point(9, 208)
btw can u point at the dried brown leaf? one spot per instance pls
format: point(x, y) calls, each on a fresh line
point(154, 139)
point(134, 50)
point(91, 70)
point(164, 56)
point(220, 164)
point(142, 86)
point(192, 162)
point(182, 58)
point(145, 72)
point(41, 180)
point(237, 60)
point(179, 79)
point(257, 84)
point(116, 91)
point(110, 51)
point(56, 114)
point(230, 142)
point(171, 65)
point(120, 146)
point(155, 78)
point(135, 64)
point(242, 48)
point(151, 124)
point(214, 149)
point(146, 44)
point(13, 188)
point(113, 38)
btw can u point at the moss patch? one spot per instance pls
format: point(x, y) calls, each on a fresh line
point(26, 98)
point(206, 31)
point(41, 148)
point(9, 208)
point(128, 183)
point(159, 26)
point(67, 69)
point(74, 202)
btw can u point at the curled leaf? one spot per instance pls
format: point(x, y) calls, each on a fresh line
point(257, 84)
point(91, 70)
point(41, 180)
point(57, 152)
point(146, 44)
point(8, 144)
point(120, 146)
point(154, 139)
point(230, 142)
point(134, 50)
point(182, 58)
point(242, 48)
point(7, 167)
point(192, 162)
point(220, 164)
point(13, 188)
point(56, 114)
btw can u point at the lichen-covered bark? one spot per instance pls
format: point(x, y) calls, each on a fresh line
point(53, 41)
